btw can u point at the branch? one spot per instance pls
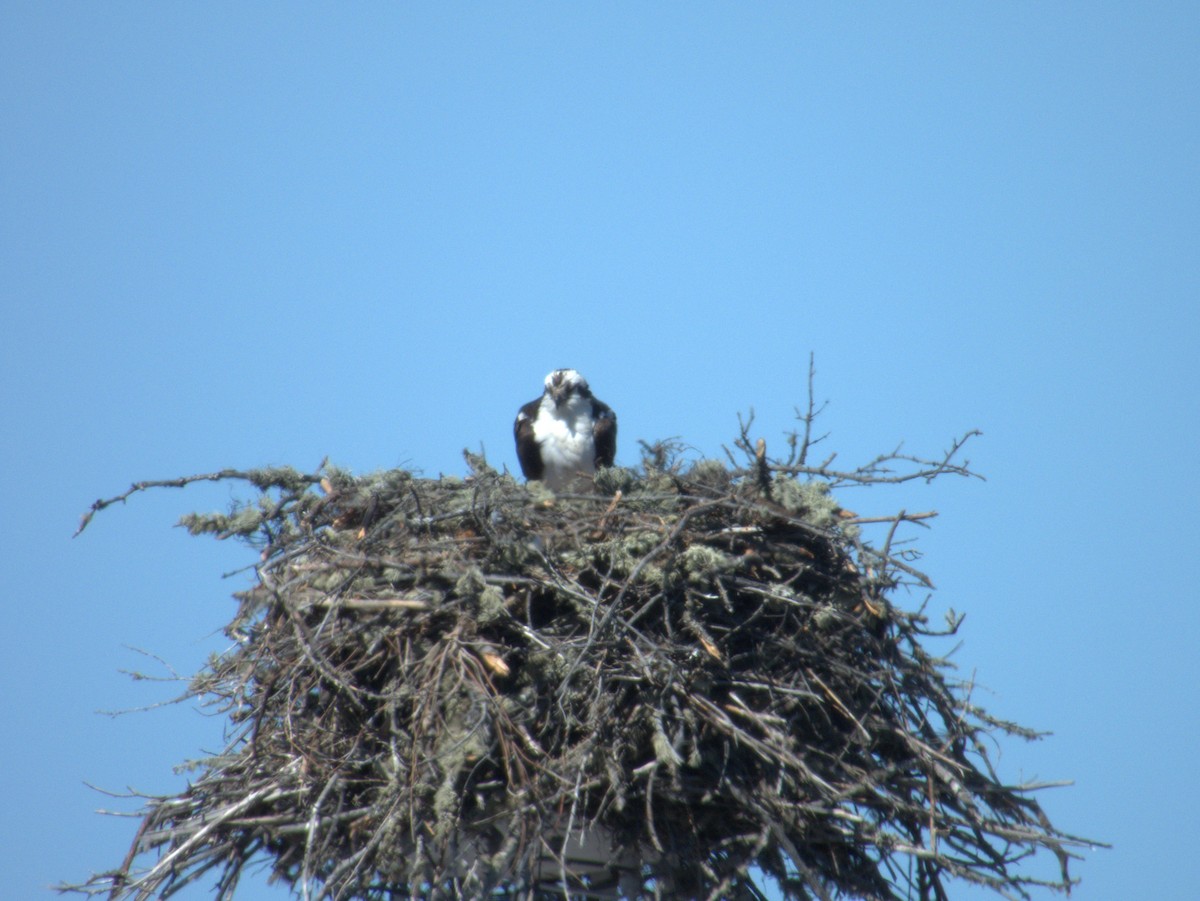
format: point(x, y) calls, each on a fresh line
point(263, 479)
point(877, 471)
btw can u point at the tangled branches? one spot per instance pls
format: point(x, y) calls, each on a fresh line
point(467, 688)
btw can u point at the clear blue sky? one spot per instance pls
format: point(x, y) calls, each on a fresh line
point(234, 235)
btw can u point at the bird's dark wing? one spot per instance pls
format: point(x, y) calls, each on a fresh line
point(527, 446)
point(604, 433)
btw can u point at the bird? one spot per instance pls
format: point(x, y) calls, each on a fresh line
point(565, 435)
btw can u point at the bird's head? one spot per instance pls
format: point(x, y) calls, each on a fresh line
point(564, 384)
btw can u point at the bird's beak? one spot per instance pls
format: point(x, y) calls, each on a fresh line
point(559, 393)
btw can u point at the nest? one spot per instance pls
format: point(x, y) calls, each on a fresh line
point(689, 683)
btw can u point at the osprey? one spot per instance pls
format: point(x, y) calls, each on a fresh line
point(566, 433)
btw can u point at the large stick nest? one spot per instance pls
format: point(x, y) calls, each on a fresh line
point(445, 688)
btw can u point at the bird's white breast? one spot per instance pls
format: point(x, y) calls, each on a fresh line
point(566, 441)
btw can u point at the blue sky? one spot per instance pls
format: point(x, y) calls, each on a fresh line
point(234, 235)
